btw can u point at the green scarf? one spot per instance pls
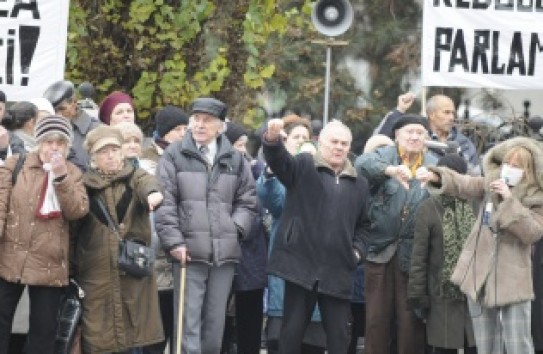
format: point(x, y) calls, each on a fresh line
point(458, 219)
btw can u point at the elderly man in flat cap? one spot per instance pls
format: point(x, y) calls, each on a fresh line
point(209, 205)
point(396, 194)
point(62, 96)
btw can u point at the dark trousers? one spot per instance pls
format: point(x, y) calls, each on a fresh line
point(299, 304)
point(385, 287)
point(358, 324)
point(165, 299)
point(44, 303)
point(249, 319)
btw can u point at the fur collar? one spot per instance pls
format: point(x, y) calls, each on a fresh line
point(529, 195)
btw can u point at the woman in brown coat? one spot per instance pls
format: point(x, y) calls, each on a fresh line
point(494, 269)
point(39, 193)
point(120, 311)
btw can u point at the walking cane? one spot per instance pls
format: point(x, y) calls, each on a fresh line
point(180, 307)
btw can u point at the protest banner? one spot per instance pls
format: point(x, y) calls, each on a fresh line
point(33, 37)
point(483, 43)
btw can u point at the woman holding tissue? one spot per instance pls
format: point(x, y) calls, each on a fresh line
point(494, 269)
point(396, 194)
point(39, 194)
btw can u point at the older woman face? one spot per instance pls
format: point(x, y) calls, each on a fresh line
point(108, 158)
point(410, 138)
point(52, 146)
point(131, 147)
point(122, 112)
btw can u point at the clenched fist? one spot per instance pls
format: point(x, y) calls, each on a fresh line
point(275, 127)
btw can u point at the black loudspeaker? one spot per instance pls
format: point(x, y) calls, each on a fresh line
point(332, 17)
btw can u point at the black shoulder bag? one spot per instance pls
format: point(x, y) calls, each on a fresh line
point(69, 314)
point(135, 258)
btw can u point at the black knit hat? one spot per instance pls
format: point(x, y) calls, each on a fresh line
point(410, 119)
point(2, 96)
point(234, 131)
point(53, 125)
point(209, 105)
point(168, 118)
point(455, 162)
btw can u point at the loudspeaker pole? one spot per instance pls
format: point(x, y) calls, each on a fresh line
point(327, 84)
point(331, 18)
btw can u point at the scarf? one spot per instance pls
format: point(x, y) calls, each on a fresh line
point(48, 204)
point(458, 220)
point(405, 161)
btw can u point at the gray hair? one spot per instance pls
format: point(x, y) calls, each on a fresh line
point(335, 124)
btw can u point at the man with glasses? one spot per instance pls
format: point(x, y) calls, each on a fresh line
point(62, 96)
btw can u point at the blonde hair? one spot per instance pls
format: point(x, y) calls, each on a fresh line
point(524, 159)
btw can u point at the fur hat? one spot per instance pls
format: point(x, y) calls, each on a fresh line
point(209, 105)
point(101, 136)
point(453, 161)
point(168, 118)
point(129, 130)
point(234, 131)
point(108, 105)
point(53, 125)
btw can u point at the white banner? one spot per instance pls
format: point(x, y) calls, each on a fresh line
point(33, 36)
point(483, 43)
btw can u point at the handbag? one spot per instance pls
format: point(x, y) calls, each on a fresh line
point(68, 317)
point(135, 258)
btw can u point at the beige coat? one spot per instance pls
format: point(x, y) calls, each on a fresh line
point(498, 268)
point(34, 251)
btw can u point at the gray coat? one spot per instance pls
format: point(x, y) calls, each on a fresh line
point(208, 208)
point(82, 125)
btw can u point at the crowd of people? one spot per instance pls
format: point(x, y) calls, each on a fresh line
point(418, 244)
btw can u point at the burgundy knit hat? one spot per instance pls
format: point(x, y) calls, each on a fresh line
point(109, 103)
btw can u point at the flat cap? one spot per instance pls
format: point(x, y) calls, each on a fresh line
point(59, 92)
point(209, 105)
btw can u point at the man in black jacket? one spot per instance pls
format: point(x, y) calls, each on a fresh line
point(320, 235)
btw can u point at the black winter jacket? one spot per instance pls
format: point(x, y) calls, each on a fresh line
point(324, 219)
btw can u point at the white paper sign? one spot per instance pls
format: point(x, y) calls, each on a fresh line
point(483, 43)
point(33, 36)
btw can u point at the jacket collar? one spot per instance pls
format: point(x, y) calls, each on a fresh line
point(94, 180)
point(82, 122)
point(224, 148)
point(348, 169)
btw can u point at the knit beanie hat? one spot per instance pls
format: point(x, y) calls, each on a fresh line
point(209, 105)
point(453, 161)
point(168, 118)
point(101, 136)
point(53, 125)
point(109, 103)
point(234, 131)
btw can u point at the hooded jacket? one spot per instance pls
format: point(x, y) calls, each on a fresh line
point(495, 265)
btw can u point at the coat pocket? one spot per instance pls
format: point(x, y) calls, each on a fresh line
point(292, 231)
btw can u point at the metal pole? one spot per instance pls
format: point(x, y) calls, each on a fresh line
point(327, 85)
